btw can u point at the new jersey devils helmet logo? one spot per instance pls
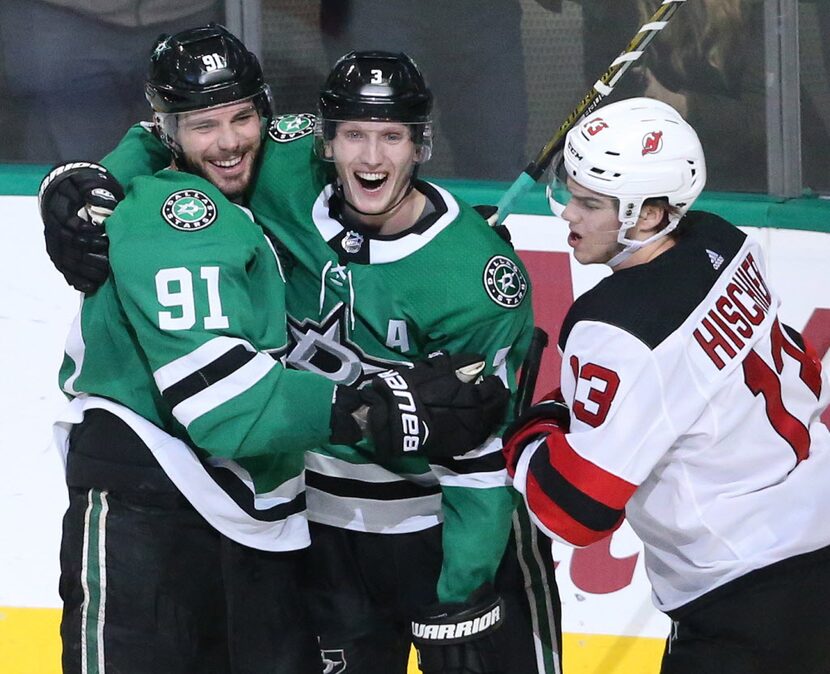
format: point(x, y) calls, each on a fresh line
point(652, 142)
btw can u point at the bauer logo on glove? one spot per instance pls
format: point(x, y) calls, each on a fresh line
point(441, 406)
point(410, 423)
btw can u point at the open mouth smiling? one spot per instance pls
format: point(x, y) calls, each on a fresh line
point(227, 164)
point(371, 182)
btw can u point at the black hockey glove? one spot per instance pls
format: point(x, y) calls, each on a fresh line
point(441, 407)
point(460, 638)
point(75, 198)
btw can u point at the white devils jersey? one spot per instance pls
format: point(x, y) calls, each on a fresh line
point(694, 412)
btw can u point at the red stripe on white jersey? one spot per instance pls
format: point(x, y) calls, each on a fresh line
point(589, 478)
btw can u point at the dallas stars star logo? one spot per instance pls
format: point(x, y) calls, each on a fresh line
point(323, 348)
point(504, 282)
point(161, 47)
point(291, 127)
point(189, 210)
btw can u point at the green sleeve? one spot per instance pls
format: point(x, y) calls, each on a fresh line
point(477, 517)
point(139, 153)
point(476, 529)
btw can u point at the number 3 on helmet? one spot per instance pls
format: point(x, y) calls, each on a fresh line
point(376, 86)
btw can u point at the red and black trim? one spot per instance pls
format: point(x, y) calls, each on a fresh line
point(572, 497)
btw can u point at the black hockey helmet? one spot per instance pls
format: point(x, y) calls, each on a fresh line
point(202, 68)
point(377, 86)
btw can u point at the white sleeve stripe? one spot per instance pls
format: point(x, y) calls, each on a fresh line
point(168, 375)
point(488, 480)
point(231, 386)
point(76, 349)
point(491, 445)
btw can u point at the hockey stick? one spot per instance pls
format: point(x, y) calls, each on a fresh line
point(530, 370)
point(601, 88)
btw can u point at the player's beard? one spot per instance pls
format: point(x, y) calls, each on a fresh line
point(234, 187)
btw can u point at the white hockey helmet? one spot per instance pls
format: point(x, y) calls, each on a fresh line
point(633, 150)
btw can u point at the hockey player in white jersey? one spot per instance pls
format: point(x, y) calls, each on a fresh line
point(692, 410)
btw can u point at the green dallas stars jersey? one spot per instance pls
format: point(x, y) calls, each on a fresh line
point(184, 339)
point(358, 303)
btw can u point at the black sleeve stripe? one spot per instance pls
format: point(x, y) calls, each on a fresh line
point(228, 363)
point(589, 512)
point(379, 491)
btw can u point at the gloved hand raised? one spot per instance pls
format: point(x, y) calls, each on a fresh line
point(441, 407)
point(74, 199)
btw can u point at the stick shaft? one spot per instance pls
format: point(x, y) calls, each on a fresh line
point(530, 370)
point(601, 88)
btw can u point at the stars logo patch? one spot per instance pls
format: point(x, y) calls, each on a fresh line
point(160, 48)
point(504, 282)
point(189, 210)
point(286, 128)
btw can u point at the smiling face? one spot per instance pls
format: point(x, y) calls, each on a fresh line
point(221, 144)
point(374, 162)
point(594, 223)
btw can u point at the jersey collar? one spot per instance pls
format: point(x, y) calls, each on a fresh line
point(358, 245)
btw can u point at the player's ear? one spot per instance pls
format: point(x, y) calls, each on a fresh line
point(653, 217)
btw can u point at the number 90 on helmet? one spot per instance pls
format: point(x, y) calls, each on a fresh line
point(633, 150)
point(201, 68)
point(373, 86)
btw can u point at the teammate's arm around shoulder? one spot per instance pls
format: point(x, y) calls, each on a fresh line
point(139, 153)
point(75, 201)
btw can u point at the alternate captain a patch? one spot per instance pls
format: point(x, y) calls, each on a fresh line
point(504, 282)
point(189, 210)
point(286, 128)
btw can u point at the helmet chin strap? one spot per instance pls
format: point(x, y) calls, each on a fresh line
point(338, 190)
point(631, 246)
point(623, 255)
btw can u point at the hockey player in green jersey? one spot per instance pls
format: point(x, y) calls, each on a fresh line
point(386, 268)
point(184, 440)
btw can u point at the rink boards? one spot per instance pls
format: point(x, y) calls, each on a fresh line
point(610, 624)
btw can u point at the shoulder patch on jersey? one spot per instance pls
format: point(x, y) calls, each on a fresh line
point(189, 210)
point(286, 128)
point(504, 282)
